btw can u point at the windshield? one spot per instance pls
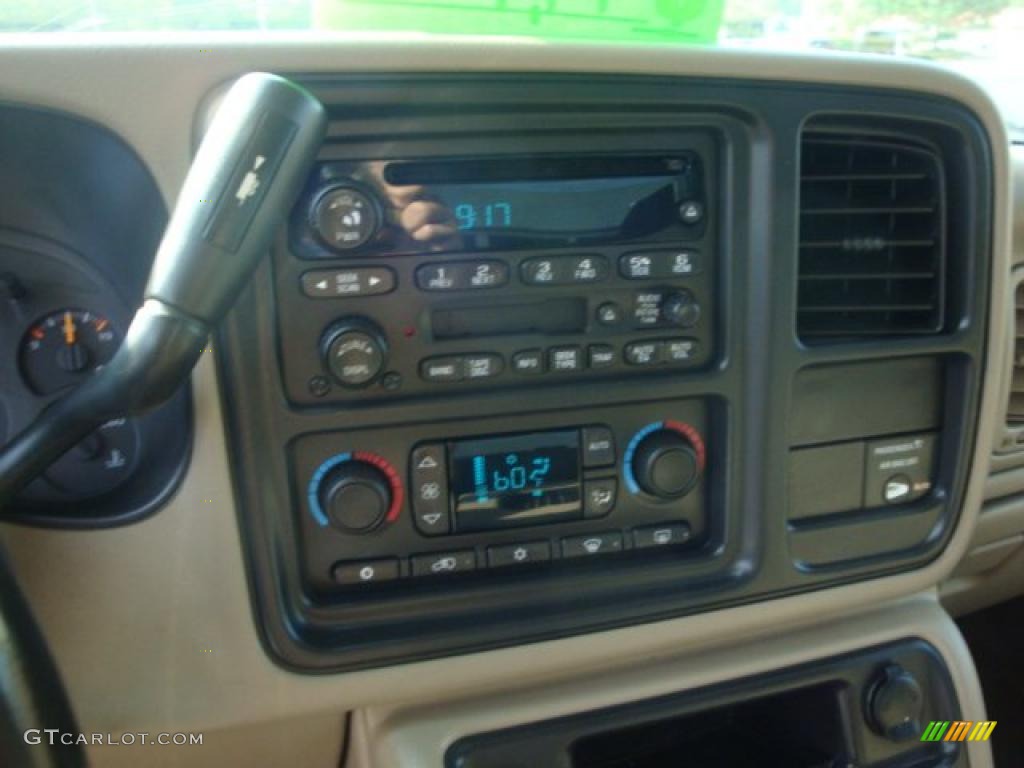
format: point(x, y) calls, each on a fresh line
point(979, 38)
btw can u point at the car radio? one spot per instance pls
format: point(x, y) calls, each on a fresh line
point(425, 277)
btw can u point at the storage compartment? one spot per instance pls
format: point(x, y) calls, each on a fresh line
point(839, 712)
point(795, 729)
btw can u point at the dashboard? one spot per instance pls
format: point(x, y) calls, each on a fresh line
point(618, 355)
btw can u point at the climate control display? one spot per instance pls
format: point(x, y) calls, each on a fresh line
point(521, 480)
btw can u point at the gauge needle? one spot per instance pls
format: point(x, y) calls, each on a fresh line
point(69, 329)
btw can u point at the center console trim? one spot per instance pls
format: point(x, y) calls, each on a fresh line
point(420, 733)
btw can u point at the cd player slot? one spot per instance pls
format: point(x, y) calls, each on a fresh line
point(550, 317)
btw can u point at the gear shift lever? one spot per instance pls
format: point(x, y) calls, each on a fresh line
point(249, 168)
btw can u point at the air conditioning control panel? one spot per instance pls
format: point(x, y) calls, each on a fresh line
point(452, 499)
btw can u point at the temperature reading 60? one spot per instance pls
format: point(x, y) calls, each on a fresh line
point(487, 215)
point(516, 476)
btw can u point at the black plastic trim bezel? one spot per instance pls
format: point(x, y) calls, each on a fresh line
point(760, 353)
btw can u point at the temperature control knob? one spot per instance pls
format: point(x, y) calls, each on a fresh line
point(355, 497)
point(355, 492)
point(665, 460)
point(354, 351)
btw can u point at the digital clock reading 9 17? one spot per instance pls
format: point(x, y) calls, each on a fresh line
point(519, 480)
point(483, 215)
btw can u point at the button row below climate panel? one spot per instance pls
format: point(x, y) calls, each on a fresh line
point(505, 555)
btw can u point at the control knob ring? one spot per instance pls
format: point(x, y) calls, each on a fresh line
point(355, 468)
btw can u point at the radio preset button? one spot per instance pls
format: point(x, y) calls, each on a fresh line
point(643, 353)
point(646, 265)
point(587, 269)
point(429, 489)
point(366, 571)
point(442, 277)
point(609, 313)
point(442, 369)
point(343, 283)
point(485, 274)
point(563, 270)
point(518, 554)
point(565, 359)
point(598, 447)
point(600, 355)
point(680, 263)
point(482, 366)
point(541, 272)
point(637, 266)
point(599, 497)
point(441, 563)
point(661, 535)
point(528, 361)
point(592, 544)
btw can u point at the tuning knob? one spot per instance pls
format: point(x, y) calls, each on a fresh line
point(354, 350)
point(355, 492)
point(665, 460)
point(680, 308)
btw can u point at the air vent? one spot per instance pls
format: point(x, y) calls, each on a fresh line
point(872, 229)
point(1015, 409)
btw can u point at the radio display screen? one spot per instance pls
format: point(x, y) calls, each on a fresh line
point(506, 482)
point(588, 209)
point(533, 202)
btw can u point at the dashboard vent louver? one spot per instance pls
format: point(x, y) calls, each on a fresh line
point(872, 229)
point(1015, 409)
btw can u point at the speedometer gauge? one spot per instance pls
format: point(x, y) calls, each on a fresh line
point(63, 347)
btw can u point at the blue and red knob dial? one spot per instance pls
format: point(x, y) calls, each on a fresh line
point(665, 460)
point(356, 492)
